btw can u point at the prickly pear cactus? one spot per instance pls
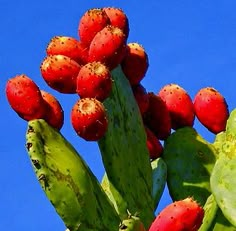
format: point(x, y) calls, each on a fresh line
point(190, 160)
point(223, 178)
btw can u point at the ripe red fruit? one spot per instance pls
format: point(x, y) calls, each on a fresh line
point(211, 109)
point(154, 146)
point(94, 81)
point(89, 119)
point(141, 97)
point(60, 73)
point(179, 104)
point(181, 215)
point(157, 117)
point(55, 114)
point(108, 46)
point(118, 18)
point(93, 21)
point(135, 63)
point(25, 98)
point(68, 46)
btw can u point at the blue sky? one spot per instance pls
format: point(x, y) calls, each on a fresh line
point(191, 43)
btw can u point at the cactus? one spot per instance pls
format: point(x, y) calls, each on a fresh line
point(223, 179)
point(190, 160)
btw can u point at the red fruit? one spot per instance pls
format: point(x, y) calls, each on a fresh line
point(94, 81)
point(60, 73)
point(211, 109)
point(118, 18)
point(141, 97)
point(25, 98)
point(68, 46)
point(154, 146)
point(55, 114)
point(108, 46)
point(179, 104)
point(89, 119)
point(157, 117)
point(93, 21)
point(135, 63)
point(183, 215)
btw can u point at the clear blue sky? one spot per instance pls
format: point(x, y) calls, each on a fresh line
point(191, 43)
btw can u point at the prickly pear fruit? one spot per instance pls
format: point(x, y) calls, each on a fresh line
point(135, 63)
point(60, 73)
point(25, 98)
point(211, 109)
point(190, 160)
point(126, 129)
point(68, 46)
point(118, 18)
point(180, 215)
point(132, 223)
point(159, 176)
point(154, 146)
point(93, 21)
point(67, 181)
point(223, 178)
point(108, 46)
point(141, 97)
point(157, 117)
point(179, 105)
point(55, 113)
point(94, 81)
point(89, 119)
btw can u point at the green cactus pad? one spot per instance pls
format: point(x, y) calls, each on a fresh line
point(124, 151)
point(159, 176)
point(67, 181)
point(190, 160)
point(210, 210)
point(223, 178)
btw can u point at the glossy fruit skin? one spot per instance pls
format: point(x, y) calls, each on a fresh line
point(154, 146)
point(135, 63)
point(89, 119)
point(60, 73)
point(157, 117)
point(180, 215)
point(141, 97)
point(25, 98)
point(118, 18)
point(55, 114)
point(68, 46)
point(108, 46)
point(94, 81)
point(179, 104)
point(211, 109)
point(93, 21)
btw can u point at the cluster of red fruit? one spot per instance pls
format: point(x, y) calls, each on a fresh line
point(83, 66)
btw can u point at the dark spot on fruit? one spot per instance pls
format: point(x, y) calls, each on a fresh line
point(36, 164)
point(30, 129)
point(28, 146)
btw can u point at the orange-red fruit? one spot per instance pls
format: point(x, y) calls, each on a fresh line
point(68, 46)
point(179, 104)
point(157, 117)
point(211, 109)
point(141, 97)
point(94, 81)
point(180, 215)
point(55, 114)
point(108, 46)
point(135, 63)
point(118, 18)
point(93, 21)
point(25, 98)
point(89, 119)
point(154, 146)
point(60, 73)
